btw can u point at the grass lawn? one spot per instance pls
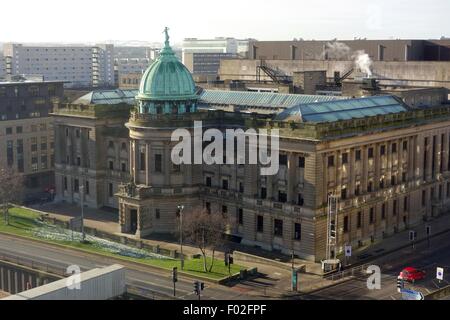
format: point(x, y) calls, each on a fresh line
point(22, 221)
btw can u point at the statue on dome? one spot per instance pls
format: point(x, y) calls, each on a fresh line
point(166, 32)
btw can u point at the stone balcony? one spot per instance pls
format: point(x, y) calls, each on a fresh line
point(130, 190)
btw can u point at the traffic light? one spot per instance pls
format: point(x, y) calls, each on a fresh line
point(400, 284)
point(197, 287)
point(175, 274)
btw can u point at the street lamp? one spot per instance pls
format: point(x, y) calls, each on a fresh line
point(82, 213)
point(180, 210)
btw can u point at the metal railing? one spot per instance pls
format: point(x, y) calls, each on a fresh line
point(352, 272)
point(38, 266)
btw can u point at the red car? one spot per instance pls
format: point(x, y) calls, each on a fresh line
point(411, 274)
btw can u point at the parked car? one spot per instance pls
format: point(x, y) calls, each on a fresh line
point(411, 274)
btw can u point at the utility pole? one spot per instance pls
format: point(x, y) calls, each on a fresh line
point(180, 208)
point(83, 235)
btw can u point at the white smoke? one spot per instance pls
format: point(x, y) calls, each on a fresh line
point(340, 51)
point(363, 62)
point(337, 51)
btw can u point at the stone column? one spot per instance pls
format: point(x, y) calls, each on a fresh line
point(429, 159)
point(148, 164)
point(291, 176)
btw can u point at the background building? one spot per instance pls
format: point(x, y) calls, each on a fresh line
point(78, 66)
point(26, 130)
point(202, 56)
point(378, 50)
point(2, 66)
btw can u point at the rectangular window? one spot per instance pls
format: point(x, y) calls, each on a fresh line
point(283, 159)
point(370, 186)
point(394, 148)
point(208, 181)
point(19, 129)
point(158, 163)
point(240, 216)
point(124, 167)
point(382, 150)
point(9, 131)
point(424, 198)
point(301, 162)
point(224, 209)
point(110, 190)
point(330, 161)
point(405, 204)
point(300, 200)
point(359, 220)
point(259, 224)
point(405, 145)
point(370, 153)
point(345, 224)
point(394, 208)
point(208, 207)
point(142, 161)
point(78, 161)
point(383, 211)
point(371, 215)
point(382, 183)
point(297, 231)
point(403, 177)
point(263, 193)
point(344, 193)
point(76, 185)
point(278, 228)
point(65, 183)
point(111, 165)
point(157, 214)
point(10, 153)
point(344, 158)
point(358, 155)
point(86, 188)
point(241, 187)
point(393, 180)
point(225, 184)
point(282, 196)
point(358, 190)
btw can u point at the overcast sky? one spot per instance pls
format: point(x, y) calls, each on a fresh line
point(95, 20)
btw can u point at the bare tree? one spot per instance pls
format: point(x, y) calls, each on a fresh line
point(11, 188)
point(205, 230)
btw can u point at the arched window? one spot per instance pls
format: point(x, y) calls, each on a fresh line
point(124, 146)
point(111, 145)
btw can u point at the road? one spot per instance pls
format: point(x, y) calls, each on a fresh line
point(135, 275)
point(422, 257)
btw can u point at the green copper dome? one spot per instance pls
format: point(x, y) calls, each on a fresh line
point(167, 79)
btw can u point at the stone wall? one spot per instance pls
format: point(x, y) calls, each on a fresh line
point(412, 73)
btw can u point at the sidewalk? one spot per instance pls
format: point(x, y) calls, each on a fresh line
point(399, 240)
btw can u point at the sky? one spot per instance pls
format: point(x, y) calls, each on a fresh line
point(144, 20)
